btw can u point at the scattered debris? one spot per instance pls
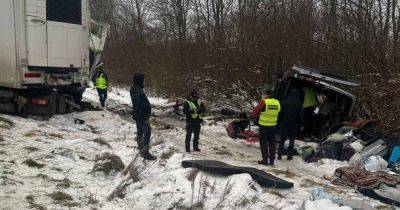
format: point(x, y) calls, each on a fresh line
point(108, 163)
point(79, 121)
point(93, 129)
point(32, 163)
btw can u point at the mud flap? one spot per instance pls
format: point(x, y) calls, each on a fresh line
point(46, 110)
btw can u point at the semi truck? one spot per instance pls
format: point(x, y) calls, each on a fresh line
point(48, 50)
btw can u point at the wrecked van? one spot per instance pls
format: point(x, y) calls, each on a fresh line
point(335, 104)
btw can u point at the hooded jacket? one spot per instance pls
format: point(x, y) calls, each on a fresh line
point(292, 113)
point(140, 102)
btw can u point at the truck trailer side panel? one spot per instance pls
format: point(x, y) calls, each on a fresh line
point(36, 32)
point(8, 45)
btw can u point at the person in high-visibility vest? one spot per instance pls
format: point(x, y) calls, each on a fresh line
point(100, 81)
point(194, 110)
point(266, 114)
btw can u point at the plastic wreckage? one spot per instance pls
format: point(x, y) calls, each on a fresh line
point(373, 156)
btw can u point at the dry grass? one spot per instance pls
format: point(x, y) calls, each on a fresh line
point(310, 183)
point(168, 154)
point(56, 135)
point(60, 196)
point(90, 199)
point(31, 133)
point(385, 207)
point(6, 123)
point(108, 163)
point(222, 151)
point(31, 149)
point(191, 176)
point(243, 202)
point(133, 172)
point(33, 205)
point(102, 141)
point(286, 172)
point(275, 192)
point(227, 190)
point(32, 163)
point(65, 183)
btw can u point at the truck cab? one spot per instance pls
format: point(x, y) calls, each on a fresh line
point(335, 104)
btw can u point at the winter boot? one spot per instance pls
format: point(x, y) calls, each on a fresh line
point(148, 156)
point(271, 162)
point(263, 162)
point(196, 149)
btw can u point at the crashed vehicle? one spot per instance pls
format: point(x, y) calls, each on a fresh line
point(335, 104)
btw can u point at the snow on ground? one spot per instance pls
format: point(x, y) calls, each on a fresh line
point(67, 152)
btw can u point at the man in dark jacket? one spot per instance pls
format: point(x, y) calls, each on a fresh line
point(290, 121)
point(100, 80)
point(141, 114)
point(194, 110)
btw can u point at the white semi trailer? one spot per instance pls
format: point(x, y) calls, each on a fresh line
point(45, 54)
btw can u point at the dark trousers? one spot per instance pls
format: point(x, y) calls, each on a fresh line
point(102, 96)
point(286, 133)
point(143, 136)
point(308, 119)
point(195, 129)
point(268, 142)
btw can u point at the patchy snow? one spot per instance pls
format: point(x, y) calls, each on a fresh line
point(122, 95)
point(68, 151)
point(323, 204)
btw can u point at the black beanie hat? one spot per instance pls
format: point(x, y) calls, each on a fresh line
point(138, 79)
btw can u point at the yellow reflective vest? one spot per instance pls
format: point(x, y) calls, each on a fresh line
point(195, 109)
point(269, 117)
point(310, 97)
point(101, 82)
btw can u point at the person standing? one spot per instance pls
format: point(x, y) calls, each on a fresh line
point(141, 114)
point(267, 112)
point(100, 81)
point(194, 110)
point(290, 121)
